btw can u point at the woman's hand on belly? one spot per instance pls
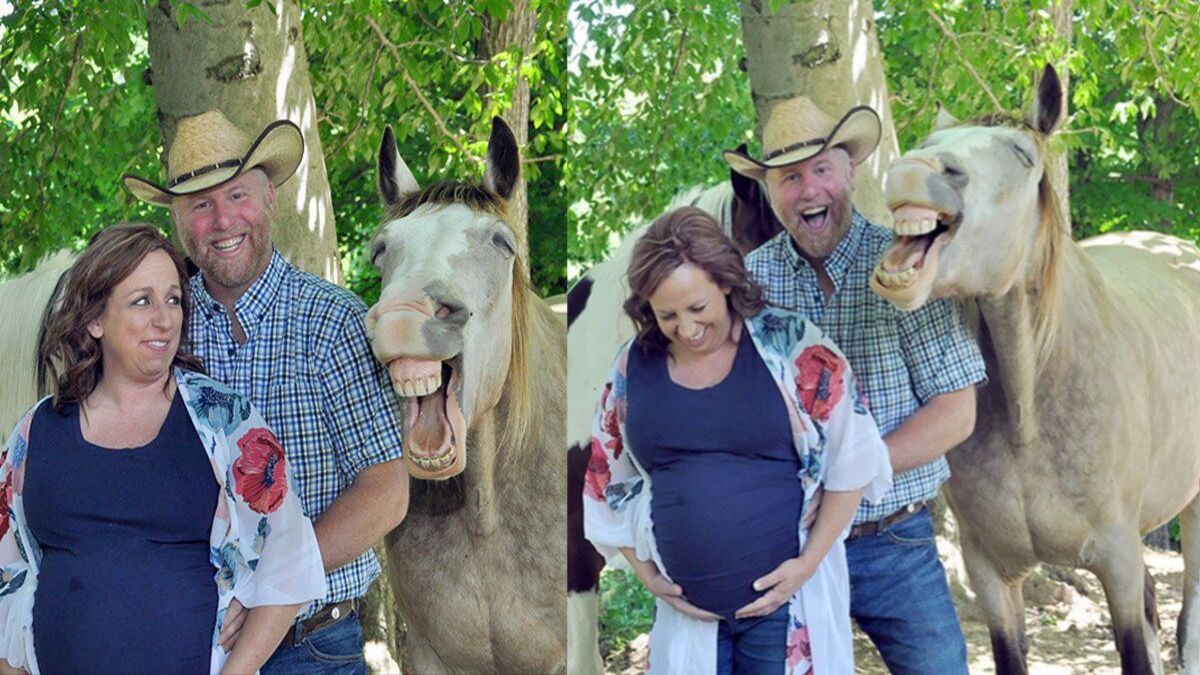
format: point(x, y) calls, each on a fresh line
point(672, 594)
point(6, 669)
point(780, 585)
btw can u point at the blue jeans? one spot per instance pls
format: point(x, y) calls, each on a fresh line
point(753, 646)
point(336, 649)
point(899, 597)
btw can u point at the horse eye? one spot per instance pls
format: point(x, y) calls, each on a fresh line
point(1024, 156)
point(501, 241)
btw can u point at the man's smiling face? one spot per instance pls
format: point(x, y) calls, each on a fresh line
point(226, 230)
point(812, 200)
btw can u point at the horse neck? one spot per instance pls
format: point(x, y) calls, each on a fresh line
point(1010, 337)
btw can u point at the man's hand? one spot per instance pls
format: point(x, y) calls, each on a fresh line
point(780, 585)
point(235, 618)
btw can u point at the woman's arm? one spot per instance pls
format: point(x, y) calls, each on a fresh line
point(837, 508)
point(647, 572)
point(260, 635)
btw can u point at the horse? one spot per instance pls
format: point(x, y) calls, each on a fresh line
point(25, 378)
point(479, 361)
point(1085, 437)
point(597, 326)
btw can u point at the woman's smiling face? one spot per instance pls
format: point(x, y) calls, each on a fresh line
point(139, 329)
point(692, 311)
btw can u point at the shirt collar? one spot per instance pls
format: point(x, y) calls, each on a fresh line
point(253, 305)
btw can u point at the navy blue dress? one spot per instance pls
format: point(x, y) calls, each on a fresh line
point(727, 497)
point(126, 584)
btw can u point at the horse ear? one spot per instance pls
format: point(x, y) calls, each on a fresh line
point(744, 188)
point(944, 119)
point(503, 161)
point(395, 178)
point(1048, 108)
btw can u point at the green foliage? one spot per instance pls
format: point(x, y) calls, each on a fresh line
point(627, 610)
point(656, 94)
point(71, 126)
point(643, 130)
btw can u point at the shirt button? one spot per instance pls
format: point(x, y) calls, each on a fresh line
point(216, 306)
point(231, 351)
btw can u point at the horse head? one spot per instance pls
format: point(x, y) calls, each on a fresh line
point(752, 221)
point(448, 322)
point(970, 206)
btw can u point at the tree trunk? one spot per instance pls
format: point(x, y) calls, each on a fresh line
point(251, 65)
point(828, 51)
point(516, 31)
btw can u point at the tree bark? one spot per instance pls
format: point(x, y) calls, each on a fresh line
point(251, 65)
point(827, 50)
point(515, 31)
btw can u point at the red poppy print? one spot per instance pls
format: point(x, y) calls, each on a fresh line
point(799, 648)
point(610, 424)
point(820, 381)
point(598, 473)
point(258, 475)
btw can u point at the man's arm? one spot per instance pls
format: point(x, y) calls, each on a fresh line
point(372, 506)
point(942, 423)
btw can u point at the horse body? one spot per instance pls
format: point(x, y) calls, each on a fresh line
point(479, 360)
point(1086, 435)
point(20, 338)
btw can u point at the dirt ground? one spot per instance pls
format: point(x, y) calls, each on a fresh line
point(1066, 619)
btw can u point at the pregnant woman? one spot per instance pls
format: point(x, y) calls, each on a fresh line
point(143, 497)
point(720, 421)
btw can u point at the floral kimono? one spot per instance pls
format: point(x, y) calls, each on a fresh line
point(839, 448)
point(262, 546)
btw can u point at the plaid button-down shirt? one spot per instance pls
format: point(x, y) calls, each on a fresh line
point(901, 359)
point(308, 368)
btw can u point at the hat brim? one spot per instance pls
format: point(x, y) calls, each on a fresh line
point(277, 151)
point(858, 132)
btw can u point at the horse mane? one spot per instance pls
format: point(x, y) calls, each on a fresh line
point(1047, 244)
point(518, 422)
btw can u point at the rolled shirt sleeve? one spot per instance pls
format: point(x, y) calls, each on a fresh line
point(941, 357)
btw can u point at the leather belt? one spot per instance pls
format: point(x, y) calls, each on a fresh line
point(881, 525)
point(326, 616)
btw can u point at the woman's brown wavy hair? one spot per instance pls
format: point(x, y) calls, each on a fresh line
point(685, 235)
point(69, 352)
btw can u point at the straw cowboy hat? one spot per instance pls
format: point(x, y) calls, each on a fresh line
point(210, 150)
point(797, 130)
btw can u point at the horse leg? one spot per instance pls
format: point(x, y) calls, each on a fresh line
point(1002, 605)
point(1188, 629)
point(1119, 565)
point(583, 576)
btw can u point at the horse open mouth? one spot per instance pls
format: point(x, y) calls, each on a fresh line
point(920, 235)
point(434, 425)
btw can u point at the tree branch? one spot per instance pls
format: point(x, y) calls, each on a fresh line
point(1157, 66)
point(666, 100)
point(417, 91)
point(362, 104)
point(535, 160)
point(62, 102)
point(966, 62)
